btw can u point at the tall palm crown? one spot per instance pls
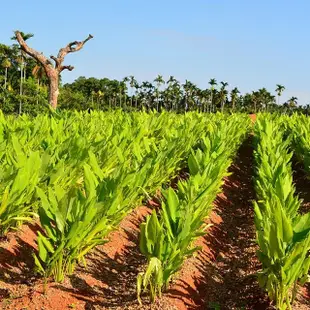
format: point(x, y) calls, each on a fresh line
point(6, 63)
point(159, 80)
point(25, 36)
point(132, 81)
point(212, 82)
point(292, 102)
point(233, 96)
point(265, 97)
point(224, 85)
point(279, 90)
point(223, 95)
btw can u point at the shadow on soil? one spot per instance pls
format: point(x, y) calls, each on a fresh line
point(302, 184)
point(229, 281)
point(16, 262)
point(116, 277)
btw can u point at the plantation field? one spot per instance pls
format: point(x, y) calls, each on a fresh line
point(116, 210)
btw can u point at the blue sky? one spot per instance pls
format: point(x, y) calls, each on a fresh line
point(250, 44)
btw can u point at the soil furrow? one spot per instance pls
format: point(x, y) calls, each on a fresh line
point(302, 184)
point(234, 284)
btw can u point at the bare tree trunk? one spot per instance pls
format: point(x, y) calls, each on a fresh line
point(52, 71)
point(53, 89)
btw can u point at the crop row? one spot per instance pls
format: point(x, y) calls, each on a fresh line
point(167, 237)
point(283, 234)
point(299, 128)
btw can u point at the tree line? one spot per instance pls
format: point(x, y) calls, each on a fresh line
point(25, 86)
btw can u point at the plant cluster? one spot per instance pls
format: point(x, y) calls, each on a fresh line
point(166, 238)
point(283, 234)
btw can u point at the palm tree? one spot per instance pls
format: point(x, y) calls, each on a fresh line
point(280, 88)
point(6, 54)
point(25, 36)
point(176, 93)
point(6, 64)
point(159, 81)
point(126, 79)
point(292, 102)
point(38, 72)
point(137, 87)
point(190, 91)
point(171, 82)
point(265, 97)
point(234, 95)
point(223, 95)
point(146, 93)
point(254, 99)
point(213, 83)
point(133, 85)
point(224, 85)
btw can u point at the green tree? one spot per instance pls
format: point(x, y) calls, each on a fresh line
point(25, 37)
point(38, 72)
point(159, 82)
point(279, 90)
point(6, 64)
point(223, 95)
point(126, 79)
point(233, 97)
point(213, 83)
point(292, 102)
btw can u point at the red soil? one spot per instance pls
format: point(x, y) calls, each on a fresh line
point(253, 117)
point(110, 269)
point(221, 274)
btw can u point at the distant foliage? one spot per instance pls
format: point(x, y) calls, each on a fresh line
point(24, 89)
